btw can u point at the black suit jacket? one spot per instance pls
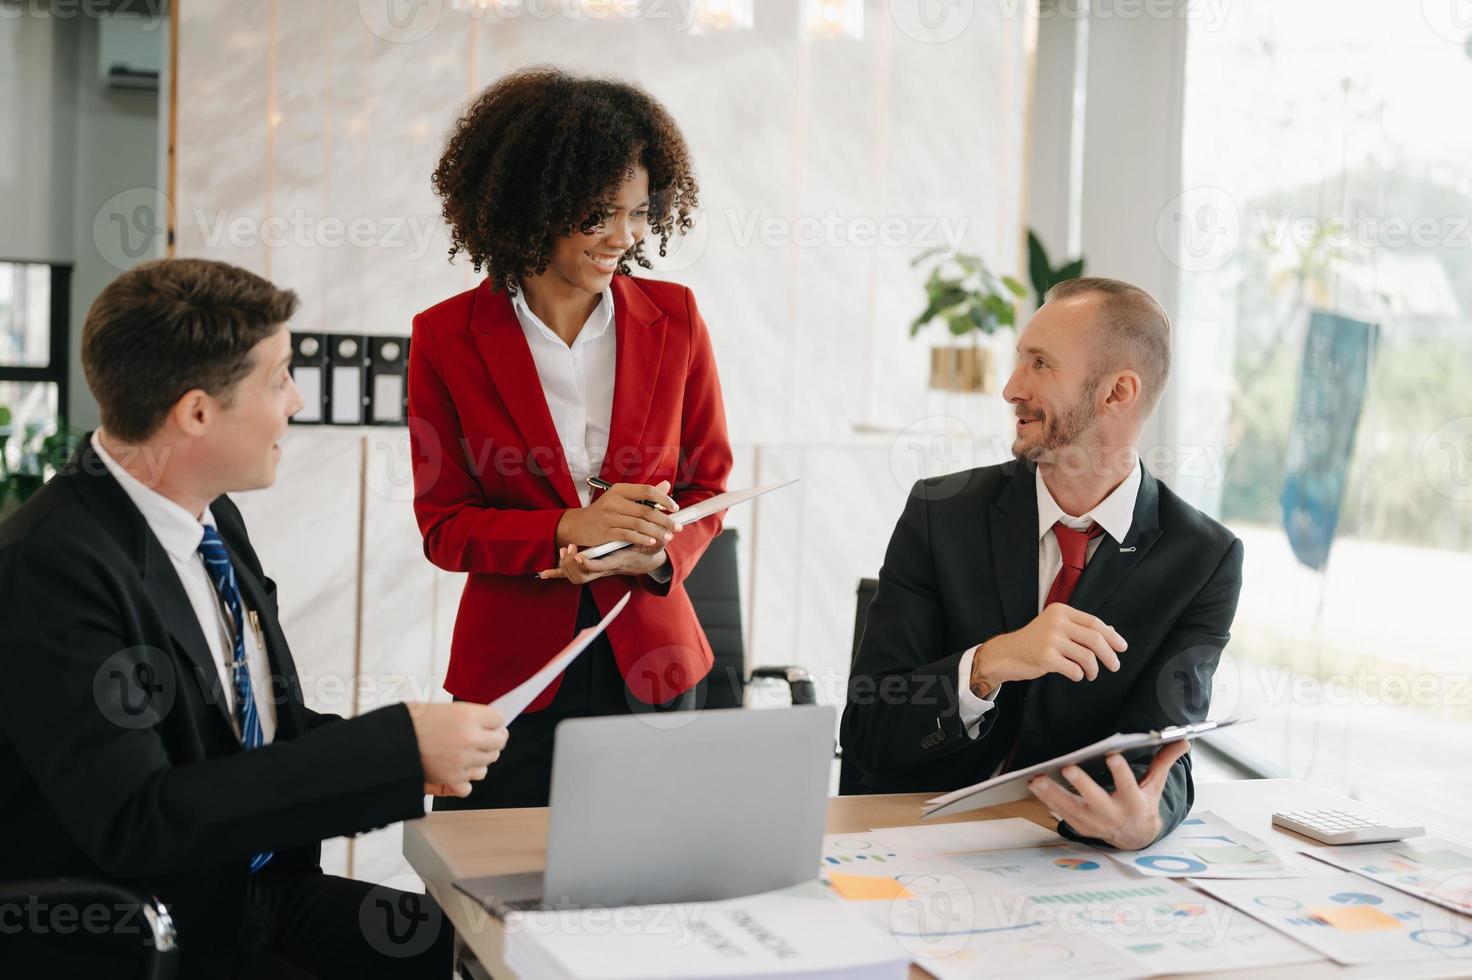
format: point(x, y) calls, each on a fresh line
point(118, 757)
point(962, 567)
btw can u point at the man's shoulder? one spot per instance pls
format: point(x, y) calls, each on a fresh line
point(967, 488)
point(1180, 518)
point(53, 514)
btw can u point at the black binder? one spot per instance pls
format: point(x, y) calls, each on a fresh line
point(309, 371)
point(388, 358)
point(347, 376)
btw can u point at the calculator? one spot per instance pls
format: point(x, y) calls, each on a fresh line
point(1345, 826)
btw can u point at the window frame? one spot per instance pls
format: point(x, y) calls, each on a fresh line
point(58, 368)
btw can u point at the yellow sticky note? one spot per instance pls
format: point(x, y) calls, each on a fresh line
point(1357, 918)
point(866, 888)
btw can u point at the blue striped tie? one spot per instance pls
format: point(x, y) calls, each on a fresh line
point(222, 573)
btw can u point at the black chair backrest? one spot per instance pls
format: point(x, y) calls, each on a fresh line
point(849, 777)
point(867, 588)
point(714, 587)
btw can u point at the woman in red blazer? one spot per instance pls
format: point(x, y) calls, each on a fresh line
point(558, 367)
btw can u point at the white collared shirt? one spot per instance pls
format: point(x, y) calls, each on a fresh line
point(577, 382)
point(180, 533)
point(1115, 513)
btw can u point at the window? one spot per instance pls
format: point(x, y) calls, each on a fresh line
point(33, 370)
point(1328, 192)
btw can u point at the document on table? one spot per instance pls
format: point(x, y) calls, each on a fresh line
point(968, 836)
point(1206, 846)
point(1162, 925)
point(1013, 785)
point(795, 932)
point(693, 513)
point(1431, 868)
point(515, 701)
point(1350, 919)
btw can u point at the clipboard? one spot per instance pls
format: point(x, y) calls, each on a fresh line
point(1012, 786)
point(693, 513)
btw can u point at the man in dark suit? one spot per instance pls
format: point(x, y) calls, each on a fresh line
point(1028, 609)
point(152, 726)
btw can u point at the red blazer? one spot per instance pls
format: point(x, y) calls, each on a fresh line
point(491, 481)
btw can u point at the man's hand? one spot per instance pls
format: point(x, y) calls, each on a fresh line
point(1061, 640)
point(1128, 818)
point(457, 744)
point(578, 569)
point(617, 515)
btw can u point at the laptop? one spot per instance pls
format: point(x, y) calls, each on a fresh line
point(689, 806)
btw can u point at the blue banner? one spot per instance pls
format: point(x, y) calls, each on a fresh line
point(1331, 395)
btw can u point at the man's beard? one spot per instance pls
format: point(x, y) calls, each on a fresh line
point(1059, 432)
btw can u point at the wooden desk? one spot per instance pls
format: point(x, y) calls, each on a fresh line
point(443, 847)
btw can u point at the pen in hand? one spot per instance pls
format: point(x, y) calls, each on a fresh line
point(600, 484)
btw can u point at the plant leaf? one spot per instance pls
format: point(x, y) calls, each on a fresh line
point(1014, 287)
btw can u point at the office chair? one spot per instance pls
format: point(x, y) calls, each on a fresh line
point(714, 587)
point(850, 778)
point(156, 956)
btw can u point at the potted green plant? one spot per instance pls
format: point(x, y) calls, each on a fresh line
point(972, 302)
point(1043, 273)
point(38, 455)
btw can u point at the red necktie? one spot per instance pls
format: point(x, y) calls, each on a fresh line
point(1074, 546)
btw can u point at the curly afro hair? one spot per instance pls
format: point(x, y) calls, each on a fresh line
point(538, 155)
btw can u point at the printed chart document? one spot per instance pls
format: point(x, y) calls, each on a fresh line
point(1206, 846)
point(799, 932)
point(1431, 868)
point(693, 513)
point(1013, 785)
point(515, 701)
point(1163, 926)
point(1350, 919)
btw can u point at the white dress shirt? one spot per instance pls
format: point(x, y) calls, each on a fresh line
point(181, 533)
point(1115, 513)
point(577, 382)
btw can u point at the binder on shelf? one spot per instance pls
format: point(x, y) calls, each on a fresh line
point(308, 370)
point(347, 395)
point(387, 359)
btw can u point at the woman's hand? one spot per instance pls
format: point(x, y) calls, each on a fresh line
point(578, 569)
point(617, 515)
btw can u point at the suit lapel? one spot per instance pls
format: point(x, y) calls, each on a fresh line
point(640, 329)
point(1113, 561)
point(164, 587)
point(503, 346)
point(1014, 540)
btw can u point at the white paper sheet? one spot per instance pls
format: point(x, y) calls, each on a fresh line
point(1350, 919)
point(1162, 925)
point(968, 836)
point(1206, 846)
point(515, 701)
point(798, 931)
point(1433, 868)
